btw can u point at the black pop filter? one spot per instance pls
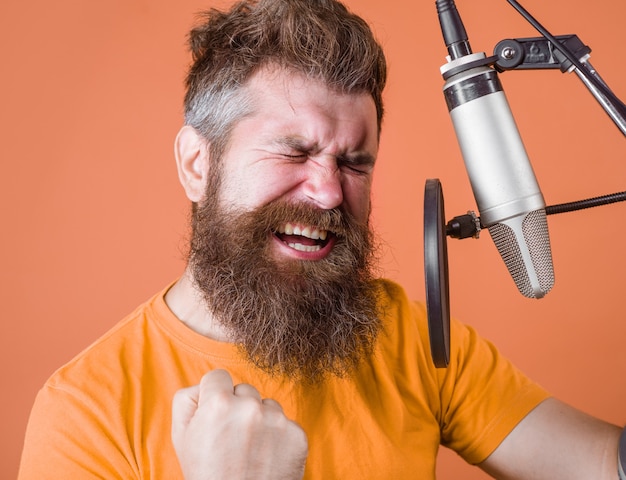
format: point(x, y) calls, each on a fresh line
point(436, 269)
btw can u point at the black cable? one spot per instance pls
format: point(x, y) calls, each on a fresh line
point(588, 203)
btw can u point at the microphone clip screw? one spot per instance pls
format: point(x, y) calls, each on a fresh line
point(464, 226)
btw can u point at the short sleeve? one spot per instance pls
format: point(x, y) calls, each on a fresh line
point(483, 396)
point(65, 439)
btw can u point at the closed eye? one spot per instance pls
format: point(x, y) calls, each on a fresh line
point(361, 164)
point(295, 157)
point(292, 148)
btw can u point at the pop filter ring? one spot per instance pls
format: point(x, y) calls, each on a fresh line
point(436, 270)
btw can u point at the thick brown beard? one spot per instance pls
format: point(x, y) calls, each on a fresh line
point(302, 319)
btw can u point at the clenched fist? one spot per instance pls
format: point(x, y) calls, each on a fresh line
point(220, 430)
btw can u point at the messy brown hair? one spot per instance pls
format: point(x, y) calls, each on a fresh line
point(318, 38)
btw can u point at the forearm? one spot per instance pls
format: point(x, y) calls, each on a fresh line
point(555, 442)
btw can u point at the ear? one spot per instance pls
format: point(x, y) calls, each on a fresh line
point(192, 162)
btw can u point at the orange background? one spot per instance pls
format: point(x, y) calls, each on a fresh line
point(93, 219)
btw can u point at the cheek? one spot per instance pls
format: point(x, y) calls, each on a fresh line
point(357, 193)
point(251, 188)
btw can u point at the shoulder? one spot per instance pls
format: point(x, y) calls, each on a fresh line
point(394, 302)
point(112, 352)
point(404, 339)
point(406, 331)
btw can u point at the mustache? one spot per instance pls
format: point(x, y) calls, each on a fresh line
point(274, 215)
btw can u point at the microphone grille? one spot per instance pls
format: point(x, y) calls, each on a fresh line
point(527, 254)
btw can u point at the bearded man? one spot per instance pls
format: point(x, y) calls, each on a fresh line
point(283, 355)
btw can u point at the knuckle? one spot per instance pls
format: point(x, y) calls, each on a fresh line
point(218, 404)
point(179, 396)
point(298, 437)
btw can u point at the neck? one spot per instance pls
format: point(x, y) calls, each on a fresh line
point(186, 302)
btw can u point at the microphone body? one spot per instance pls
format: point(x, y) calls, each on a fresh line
point(507, 194)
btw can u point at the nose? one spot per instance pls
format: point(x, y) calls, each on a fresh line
point(323, 183)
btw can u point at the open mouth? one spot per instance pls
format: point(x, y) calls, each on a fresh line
point(303, 238)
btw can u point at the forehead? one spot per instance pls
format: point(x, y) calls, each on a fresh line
point(286, 101)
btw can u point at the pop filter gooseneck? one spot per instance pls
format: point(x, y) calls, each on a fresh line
point(436, 269)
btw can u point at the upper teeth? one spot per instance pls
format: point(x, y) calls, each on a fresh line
point(309, 232)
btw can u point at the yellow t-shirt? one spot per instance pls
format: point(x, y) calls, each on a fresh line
point(107, 413)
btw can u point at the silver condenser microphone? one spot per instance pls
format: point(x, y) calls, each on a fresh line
point(508, 197)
